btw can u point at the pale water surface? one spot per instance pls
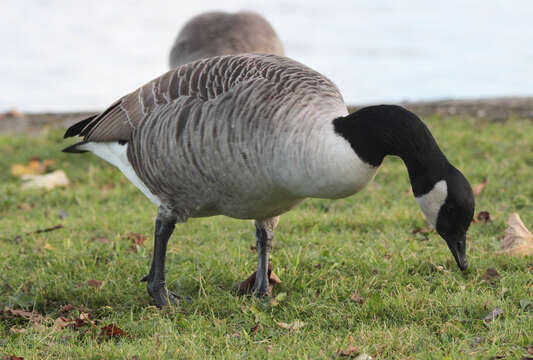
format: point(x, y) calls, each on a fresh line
point(81, 55)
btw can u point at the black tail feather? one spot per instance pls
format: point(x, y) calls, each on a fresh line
point(74, 148)
point(78, 127)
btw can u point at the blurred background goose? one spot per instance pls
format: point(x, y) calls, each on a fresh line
point(220, 33)
point(250, 136)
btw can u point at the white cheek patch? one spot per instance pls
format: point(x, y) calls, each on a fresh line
point(431, 202)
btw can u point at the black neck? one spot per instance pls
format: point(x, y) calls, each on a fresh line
point(377, 131)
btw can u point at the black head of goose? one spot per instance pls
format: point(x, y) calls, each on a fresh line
point(217, 33)
point(250, 136)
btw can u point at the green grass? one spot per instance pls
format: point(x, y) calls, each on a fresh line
point(418, 304)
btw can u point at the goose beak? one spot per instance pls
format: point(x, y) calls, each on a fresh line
point(457, 245)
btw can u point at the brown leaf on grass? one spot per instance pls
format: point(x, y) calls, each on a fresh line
point(529, 349)
point(12, 357)
point(517, 240)
point(479, 187)
point(82, 320)
point(97, 284)
point(48, 181)
point(34, 167)
point(16, 330)
point(67, 308)
point(317, 266)
point(491, 275)
point(254, 329)
point(247, 285)
point(293, 326)
point(22, 314)
point(63, 322)
point(482, 217)
point(136, 240)
point(94, 283)
point(102, 240)
point(357, 298)
point(422, 230)
point(25, 207)
point(497, 312)
point(351, 351)
point(113, 331)
point(106, 187)
point(268, 348)
point(47, 246)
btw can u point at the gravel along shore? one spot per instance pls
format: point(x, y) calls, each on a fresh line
point(493, 109)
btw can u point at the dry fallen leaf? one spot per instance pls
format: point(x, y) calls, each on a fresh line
point(479, 187)
point(48, 181)
point(62, 322)
point(422, 230)
point(483, 217)
point(529, 349)
point(497, 312)
point(254, 329)
point(294, 326)
point(83, 320)
point(16, 330)
point(136, 240)
point(30, 316)
point(357, 298)
point(12, 357)
point(112, 330)
point(491, 275)
point(25, 207)
point(67, 308)
point(34, 167)
point(247, 285)
point(351, 351)
point(92, 283)
point(517, 239)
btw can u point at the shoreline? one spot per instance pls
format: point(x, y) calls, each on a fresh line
point(487, 109)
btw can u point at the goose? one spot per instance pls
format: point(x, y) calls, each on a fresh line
point(250, 136)
point(220, 33)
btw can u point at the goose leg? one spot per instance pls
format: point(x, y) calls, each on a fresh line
point(264, 232)
point(156, 277)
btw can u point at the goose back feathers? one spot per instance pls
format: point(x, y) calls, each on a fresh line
point(248, 136)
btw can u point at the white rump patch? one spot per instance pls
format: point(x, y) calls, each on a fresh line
point(116, 154)
point(431, 202)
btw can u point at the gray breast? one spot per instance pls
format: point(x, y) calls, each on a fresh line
point(220, 33)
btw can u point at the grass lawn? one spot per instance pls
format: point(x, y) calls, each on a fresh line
point(417, 304)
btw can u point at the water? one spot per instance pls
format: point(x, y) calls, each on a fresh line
point(60, 55)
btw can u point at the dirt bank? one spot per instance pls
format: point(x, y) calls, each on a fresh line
point(494, 109)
